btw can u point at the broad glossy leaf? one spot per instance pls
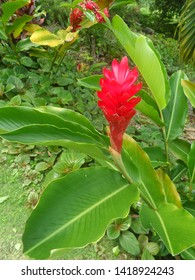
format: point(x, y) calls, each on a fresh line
point(170, 189)
point(189, 90)
point(44, 37)
point(48, 135)
point(175, 113)
point(191, 163)
point(180, 148)
point(79, 206)
point(146, 58)
point(146, 177)
point(175, 226)
point(149, 111)
point(10, 7)
point(92, 82)
point(13, 118)
point(25, 44)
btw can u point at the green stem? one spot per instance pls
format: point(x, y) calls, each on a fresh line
point(54, 59)
point(165, 138)
point(61, 61)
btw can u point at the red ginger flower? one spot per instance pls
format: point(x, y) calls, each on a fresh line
point(77, 15)
point(117, 99)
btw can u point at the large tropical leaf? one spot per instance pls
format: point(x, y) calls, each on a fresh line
point(146, 58)
point(186, 29)
point(76, 209)
point(137, 164)
point(175, 226)
point(51, 126)
point(175, 113)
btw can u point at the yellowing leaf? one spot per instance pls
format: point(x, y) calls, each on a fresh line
point(44, 37)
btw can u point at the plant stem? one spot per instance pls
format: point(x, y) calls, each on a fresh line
point(165, 138)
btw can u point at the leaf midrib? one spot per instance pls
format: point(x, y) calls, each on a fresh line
point(173, 110)
point(77, 217)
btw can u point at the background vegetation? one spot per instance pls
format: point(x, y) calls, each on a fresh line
point(34, 80)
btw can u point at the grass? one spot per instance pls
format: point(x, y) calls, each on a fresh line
point(13, 212)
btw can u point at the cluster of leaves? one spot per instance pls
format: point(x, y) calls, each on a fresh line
point(30, 83)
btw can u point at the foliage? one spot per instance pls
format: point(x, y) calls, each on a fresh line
point(89, 185)
point(187, 32)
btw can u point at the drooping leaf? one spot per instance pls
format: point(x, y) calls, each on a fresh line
point(175, 113)
point(189, 90)
point(171, 194)
point(175, 226)
point(156, 156)
point(75, 205)
point(180, 148)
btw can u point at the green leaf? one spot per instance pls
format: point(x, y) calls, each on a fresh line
point(156, 156)
point(137, 226)
point(92, 82)
point(129, 243)
point(113, 232)
point(18, 25)
point(190, 207)
point(175, 226)
point(18, 84)
point(149, 111)
point(147, 60)
point(143, 174)
point(189, 90)
point(124, 223)
point(41, 166)
point(29, 125)
point(18, 117)
point(191, 163)
point(15, 101)
point(69, 161)
point(146, 255)
point(171, 194)
point(76, 205)
point(180, 148)
point(10, 7)
point(175, 113)
point(188, 254)
point(25, 45)
point(153, 248)
point(44, 37)
point(119, 3)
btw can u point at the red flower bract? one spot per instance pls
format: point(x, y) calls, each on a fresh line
point(117, 99)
